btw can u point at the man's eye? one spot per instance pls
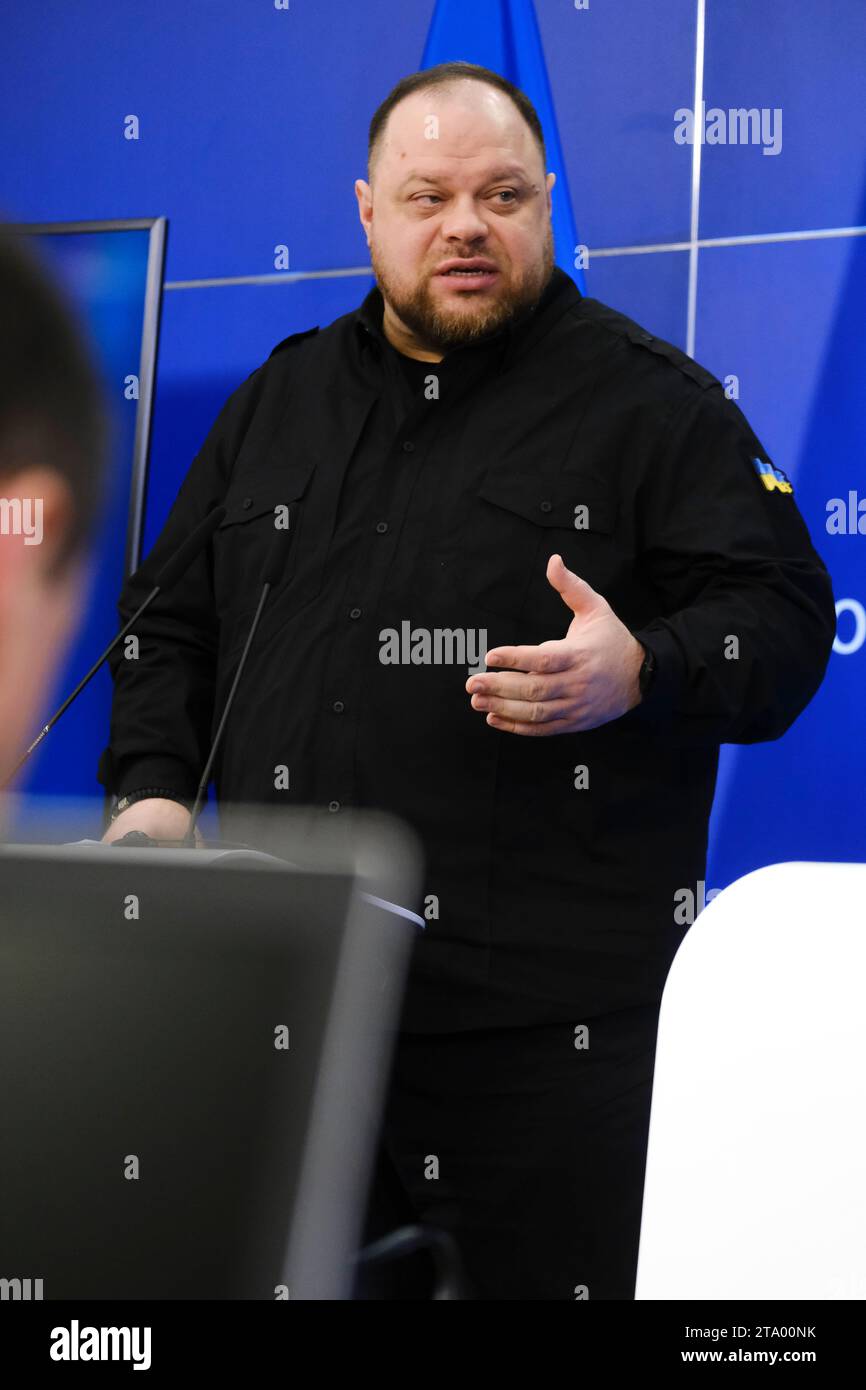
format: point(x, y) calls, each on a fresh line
point(508, 193)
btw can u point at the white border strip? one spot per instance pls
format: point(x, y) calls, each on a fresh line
point(697, 145)
point(277, 277)
point(755, 239)
point(750, 239)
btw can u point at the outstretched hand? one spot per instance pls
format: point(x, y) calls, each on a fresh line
point(583, 679)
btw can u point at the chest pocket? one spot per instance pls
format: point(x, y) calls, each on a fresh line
point(517, 521)
point(255, 508)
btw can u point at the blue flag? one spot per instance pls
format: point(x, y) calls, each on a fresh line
point(503, 35)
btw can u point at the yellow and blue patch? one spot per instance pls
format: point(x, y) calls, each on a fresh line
point(771, 477)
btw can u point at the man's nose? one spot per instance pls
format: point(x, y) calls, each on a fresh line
point(464, 221)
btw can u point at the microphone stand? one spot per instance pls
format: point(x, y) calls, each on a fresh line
point(81, 684)
point(189, 838)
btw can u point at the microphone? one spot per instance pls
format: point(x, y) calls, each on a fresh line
point(274, 561)
point(168, 575)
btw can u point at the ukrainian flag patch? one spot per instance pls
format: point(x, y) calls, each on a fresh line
point(771, 477)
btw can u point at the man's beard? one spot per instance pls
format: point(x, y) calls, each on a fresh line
point(441, 329)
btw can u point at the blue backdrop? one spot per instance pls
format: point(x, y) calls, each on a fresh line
point(251, 128)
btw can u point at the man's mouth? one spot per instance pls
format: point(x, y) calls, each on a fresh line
point(472, 273)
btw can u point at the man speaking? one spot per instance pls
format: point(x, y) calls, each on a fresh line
point(538, 569)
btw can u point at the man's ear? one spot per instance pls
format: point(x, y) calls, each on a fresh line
point(364, 194)
point(551, 180)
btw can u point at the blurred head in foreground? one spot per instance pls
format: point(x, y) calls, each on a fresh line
point(52, 445)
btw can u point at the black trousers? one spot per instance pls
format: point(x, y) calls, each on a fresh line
point(528, 1150)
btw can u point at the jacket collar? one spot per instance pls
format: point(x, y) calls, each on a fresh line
point(559, 294)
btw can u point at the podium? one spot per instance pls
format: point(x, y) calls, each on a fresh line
point(196, 1045)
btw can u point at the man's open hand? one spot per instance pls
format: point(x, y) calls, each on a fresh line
point(586, 678)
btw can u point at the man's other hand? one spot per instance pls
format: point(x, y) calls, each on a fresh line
point(158, 817)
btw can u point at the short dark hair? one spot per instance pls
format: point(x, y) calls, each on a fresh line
point(445, 75)
point(51, 406)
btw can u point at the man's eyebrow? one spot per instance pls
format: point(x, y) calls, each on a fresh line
point(509, 171)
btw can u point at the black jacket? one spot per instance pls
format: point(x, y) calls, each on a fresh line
point(427, 498)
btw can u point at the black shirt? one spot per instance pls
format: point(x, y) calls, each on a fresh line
point(426, 498)
point(414, 370)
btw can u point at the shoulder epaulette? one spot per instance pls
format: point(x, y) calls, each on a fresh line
point(625, 327)
point(293, 338)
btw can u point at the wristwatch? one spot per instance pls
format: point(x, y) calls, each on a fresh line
point(142, 794)
point(646, 674)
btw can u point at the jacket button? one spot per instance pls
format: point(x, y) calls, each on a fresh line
point(247, 503)
point(333, 806)
point(408, 446)
point(547, 506)
point(338, 706)
point(354, 612)
point(381, 527)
